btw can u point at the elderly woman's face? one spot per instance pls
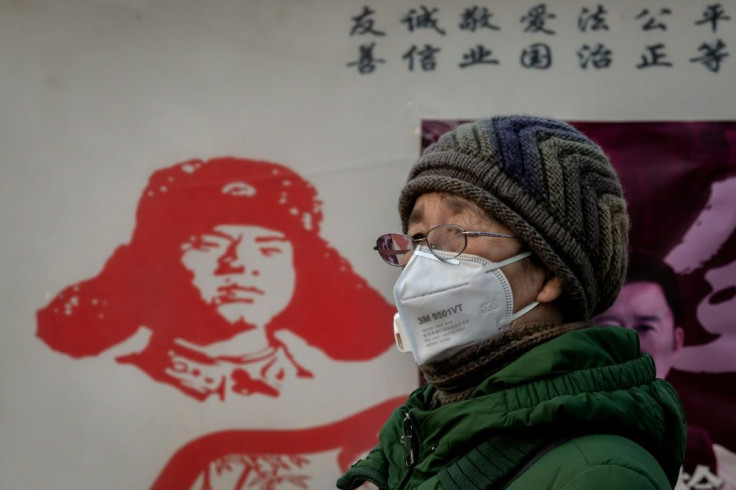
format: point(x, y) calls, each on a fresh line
point(245, 272)
point(432, 209)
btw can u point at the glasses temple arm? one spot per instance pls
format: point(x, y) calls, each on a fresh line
point(487, 233)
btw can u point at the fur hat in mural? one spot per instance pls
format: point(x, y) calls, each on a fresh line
point(551, 185)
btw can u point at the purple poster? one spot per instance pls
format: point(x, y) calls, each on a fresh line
point(679, 179)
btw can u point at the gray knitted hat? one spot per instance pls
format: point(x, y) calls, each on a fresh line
point(551, 185)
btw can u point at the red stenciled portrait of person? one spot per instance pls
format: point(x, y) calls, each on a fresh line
point(226, 291)
point(225, 253)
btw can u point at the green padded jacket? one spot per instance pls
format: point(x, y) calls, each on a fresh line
point(581, 411)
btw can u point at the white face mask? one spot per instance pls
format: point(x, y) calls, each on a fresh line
point(445, 306)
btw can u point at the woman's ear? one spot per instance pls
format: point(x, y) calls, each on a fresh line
point(551, 290)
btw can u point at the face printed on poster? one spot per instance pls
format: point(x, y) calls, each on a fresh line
point(245, 272)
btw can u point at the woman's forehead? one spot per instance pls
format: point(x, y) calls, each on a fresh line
point(451, 204)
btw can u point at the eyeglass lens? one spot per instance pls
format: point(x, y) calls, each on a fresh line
point(394, 248)
point(446, 238)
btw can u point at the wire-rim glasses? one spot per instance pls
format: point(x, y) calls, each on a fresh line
point(396, 248)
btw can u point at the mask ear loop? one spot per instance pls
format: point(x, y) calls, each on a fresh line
point(519, 313)
point(510, 260)
point(527, 308)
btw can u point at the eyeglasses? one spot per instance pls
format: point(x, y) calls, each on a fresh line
point(450, 240)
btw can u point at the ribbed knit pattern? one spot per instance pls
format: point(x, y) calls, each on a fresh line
point(551, 185)
point(494, 462)
point(457, 377)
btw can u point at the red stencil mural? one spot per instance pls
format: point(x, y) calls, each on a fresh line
point(226, 290)
point(224, 254)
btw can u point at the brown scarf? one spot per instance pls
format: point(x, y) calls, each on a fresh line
point(457, 378)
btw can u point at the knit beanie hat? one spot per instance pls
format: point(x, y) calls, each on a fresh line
point(551, 185)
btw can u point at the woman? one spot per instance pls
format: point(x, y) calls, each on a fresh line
point(514, 237)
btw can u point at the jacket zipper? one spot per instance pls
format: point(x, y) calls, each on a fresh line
point(410, 441)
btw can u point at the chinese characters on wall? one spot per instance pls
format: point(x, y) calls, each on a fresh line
point(541, 23)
